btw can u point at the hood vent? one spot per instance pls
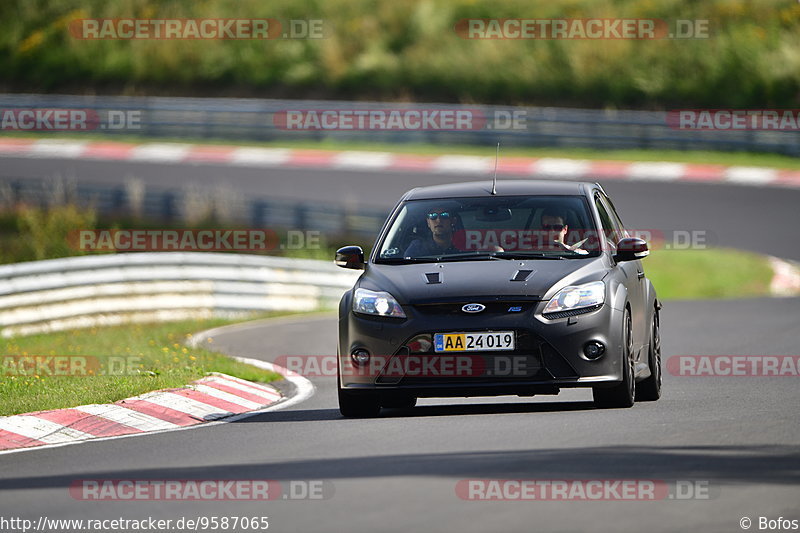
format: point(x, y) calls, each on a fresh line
point(432, 278)
point(522, 275)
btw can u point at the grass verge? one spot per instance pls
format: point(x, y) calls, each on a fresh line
point(708, 274)
point(146, 357)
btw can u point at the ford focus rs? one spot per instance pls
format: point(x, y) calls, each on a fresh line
point(514, 288)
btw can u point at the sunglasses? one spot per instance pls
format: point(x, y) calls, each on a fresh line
point(553, 227)
point(433, 216)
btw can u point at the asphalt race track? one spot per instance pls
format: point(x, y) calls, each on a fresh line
point(734, 439)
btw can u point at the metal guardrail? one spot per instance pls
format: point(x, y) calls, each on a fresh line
point(130, 198)
point(88, 291)
point(254, 119)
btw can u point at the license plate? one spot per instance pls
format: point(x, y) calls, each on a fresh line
point(474, 342)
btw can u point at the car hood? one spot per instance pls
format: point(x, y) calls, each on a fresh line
point(488, 279)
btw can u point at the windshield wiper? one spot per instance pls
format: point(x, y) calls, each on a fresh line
point(404, 260)
point(500, 256)
point(467, 255)
point(439, 258)
point(528, 255)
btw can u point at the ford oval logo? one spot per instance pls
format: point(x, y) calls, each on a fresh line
point(473, 308)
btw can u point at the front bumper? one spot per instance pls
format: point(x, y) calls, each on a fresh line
point(549, 353)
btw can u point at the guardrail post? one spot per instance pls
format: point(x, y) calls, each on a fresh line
point(118, 199)
point(259, 214)
point(301, 217)
point(168, 206)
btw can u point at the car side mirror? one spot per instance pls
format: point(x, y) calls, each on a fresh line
point(350, 257)
point(631, 249)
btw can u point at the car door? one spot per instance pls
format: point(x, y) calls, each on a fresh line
point(632, 273)
point(642, 325)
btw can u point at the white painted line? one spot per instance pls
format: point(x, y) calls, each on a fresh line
point(562, 168)
point(750, 175)
point(268, 395)
point(160, 152)
point(459, 164)
point(655, 171)
point(127, 417)
point(184, 405)
point(41, 429)
point(370, 160)
point(227, 396)
point(54, 148)
point(268, 157)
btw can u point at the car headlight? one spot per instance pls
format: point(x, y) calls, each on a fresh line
point(576, 297)
point(376, 303)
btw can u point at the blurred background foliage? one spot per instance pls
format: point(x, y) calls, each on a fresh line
point(408, 50)
point(44, 232)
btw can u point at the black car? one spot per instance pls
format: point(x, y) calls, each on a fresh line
point(485, 289)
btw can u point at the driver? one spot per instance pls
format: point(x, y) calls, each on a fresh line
point(555, 231)
point(441, 223)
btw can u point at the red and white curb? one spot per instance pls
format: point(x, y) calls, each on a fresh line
point(217, 397)
point(526, 167)
point(785, 278)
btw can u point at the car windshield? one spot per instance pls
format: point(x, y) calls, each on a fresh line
point(499, 227)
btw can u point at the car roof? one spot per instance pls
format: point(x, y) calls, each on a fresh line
point(504, 188)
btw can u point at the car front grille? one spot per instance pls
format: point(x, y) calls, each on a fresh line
point(503, 307)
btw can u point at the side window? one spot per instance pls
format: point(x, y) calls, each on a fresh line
point(615, 217)
point(609, 231)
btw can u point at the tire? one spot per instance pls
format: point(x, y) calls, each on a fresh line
point(401, 401)
point(649, 390)
point(357, 404)
point(622, 394)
